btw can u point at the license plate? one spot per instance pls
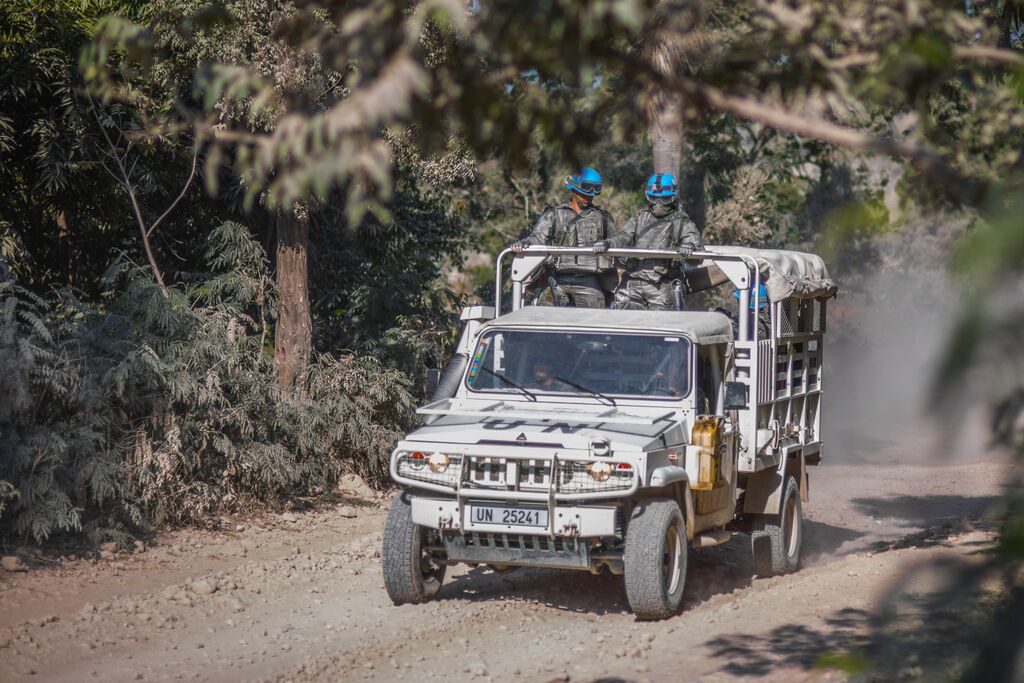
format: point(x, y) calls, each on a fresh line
point(504, 515)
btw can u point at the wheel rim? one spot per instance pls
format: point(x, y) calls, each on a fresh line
point(791, 529)
point(671, 560)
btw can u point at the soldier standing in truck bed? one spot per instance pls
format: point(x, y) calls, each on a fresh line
point(655, 283)
point(574, 280)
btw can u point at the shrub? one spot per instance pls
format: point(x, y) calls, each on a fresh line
point(161, 406)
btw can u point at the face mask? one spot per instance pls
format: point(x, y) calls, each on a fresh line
point(660, 210)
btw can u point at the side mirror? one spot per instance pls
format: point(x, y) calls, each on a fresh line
point(735, 396)
point(433, 379)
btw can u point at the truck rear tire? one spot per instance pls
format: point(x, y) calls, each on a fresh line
point(410, 574)
point(655, 559)
point(776, 539)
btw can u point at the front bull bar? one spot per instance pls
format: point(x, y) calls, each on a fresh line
point(551, 497)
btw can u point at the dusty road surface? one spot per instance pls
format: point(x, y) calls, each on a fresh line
point(299, 597)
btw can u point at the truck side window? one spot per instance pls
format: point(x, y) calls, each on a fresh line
point(707, 389)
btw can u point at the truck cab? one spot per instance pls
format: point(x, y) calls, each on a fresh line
point(615, 440)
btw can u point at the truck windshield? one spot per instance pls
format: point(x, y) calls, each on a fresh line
point(605, 364)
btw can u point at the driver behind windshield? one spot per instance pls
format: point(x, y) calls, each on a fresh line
point(668, 383)
point(543, 376)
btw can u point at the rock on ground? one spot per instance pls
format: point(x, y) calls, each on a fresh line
point(12, 563)
point(353, 484)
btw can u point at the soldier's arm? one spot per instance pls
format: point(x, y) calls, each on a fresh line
point(626, 237)
point(608, 227)
point(689, 236)
point(542, 230)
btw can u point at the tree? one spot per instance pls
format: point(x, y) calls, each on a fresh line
point(293, 340)
point(664, 51)
point(122, 168)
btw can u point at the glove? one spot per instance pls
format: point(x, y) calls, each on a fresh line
point(517, 247)
point(685, 250)
point(600, 246)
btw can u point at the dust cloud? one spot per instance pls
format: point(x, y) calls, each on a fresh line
point(884, 345)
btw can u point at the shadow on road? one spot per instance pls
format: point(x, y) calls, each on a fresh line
point(791, 645)
point(912, 635)
point(568, 590)
point(726, 568)
point(822, 540)
point(713, 571)
point(928, 511)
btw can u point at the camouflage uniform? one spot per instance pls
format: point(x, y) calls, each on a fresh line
point(648, 283)
point(575, 277)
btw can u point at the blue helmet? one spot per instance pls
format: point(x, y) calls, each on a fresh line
point(762, 293)
point(662, 187)
point(587, 182)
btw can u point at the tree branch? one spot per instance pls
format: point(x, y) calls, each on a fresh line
point(930, 162)
point(126, 181)
point(991, 54)
point(522, 193)
point(981, 53)
point(238, 137)
point(181, 195)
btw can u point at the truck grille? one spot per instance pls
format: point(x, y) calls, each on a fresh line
point(487, 470)
point(489, 540)
point(534, 474)
point(518, 549)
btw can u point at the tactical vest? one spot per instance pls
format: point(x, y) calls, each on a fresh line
point(578, 230)
point(654, 235)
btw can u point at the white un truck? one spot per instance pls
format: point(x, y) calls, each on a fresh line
point(615, 440)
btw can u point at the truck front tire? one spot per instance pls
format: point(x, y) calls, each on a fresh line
point(776, 539)
point(410, 574)
point(655, 559)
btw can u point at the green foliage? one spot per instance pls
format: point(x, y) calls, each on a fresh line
point(568, 74)
point(162, 407)
point(852, 228)
point(850, 663)
point(33, 437)
point(985, 344)
point(7, 493)
point(356, 72)
point(63, 208)
point(367, 278)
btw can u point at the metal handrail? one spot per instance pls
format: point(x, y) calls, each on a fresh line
point(543, 250)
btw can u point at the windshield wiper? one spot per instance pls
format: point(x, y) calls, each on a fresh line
point(596, 394)
point(530, 396)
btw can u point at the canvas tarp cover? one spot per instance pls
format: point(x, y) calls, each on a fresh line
point(785, 273)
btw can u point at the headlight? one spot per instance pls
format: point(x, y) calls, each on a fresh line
point(437, 462)
point(599, 471)
point(417, 460)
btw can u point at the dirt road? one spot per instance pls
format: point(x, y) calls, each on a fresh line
point(299, 597)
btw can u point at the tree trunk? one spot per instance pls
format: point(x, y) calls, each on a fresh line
point(666, 131)
point(665, 112)
point(294, 334)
